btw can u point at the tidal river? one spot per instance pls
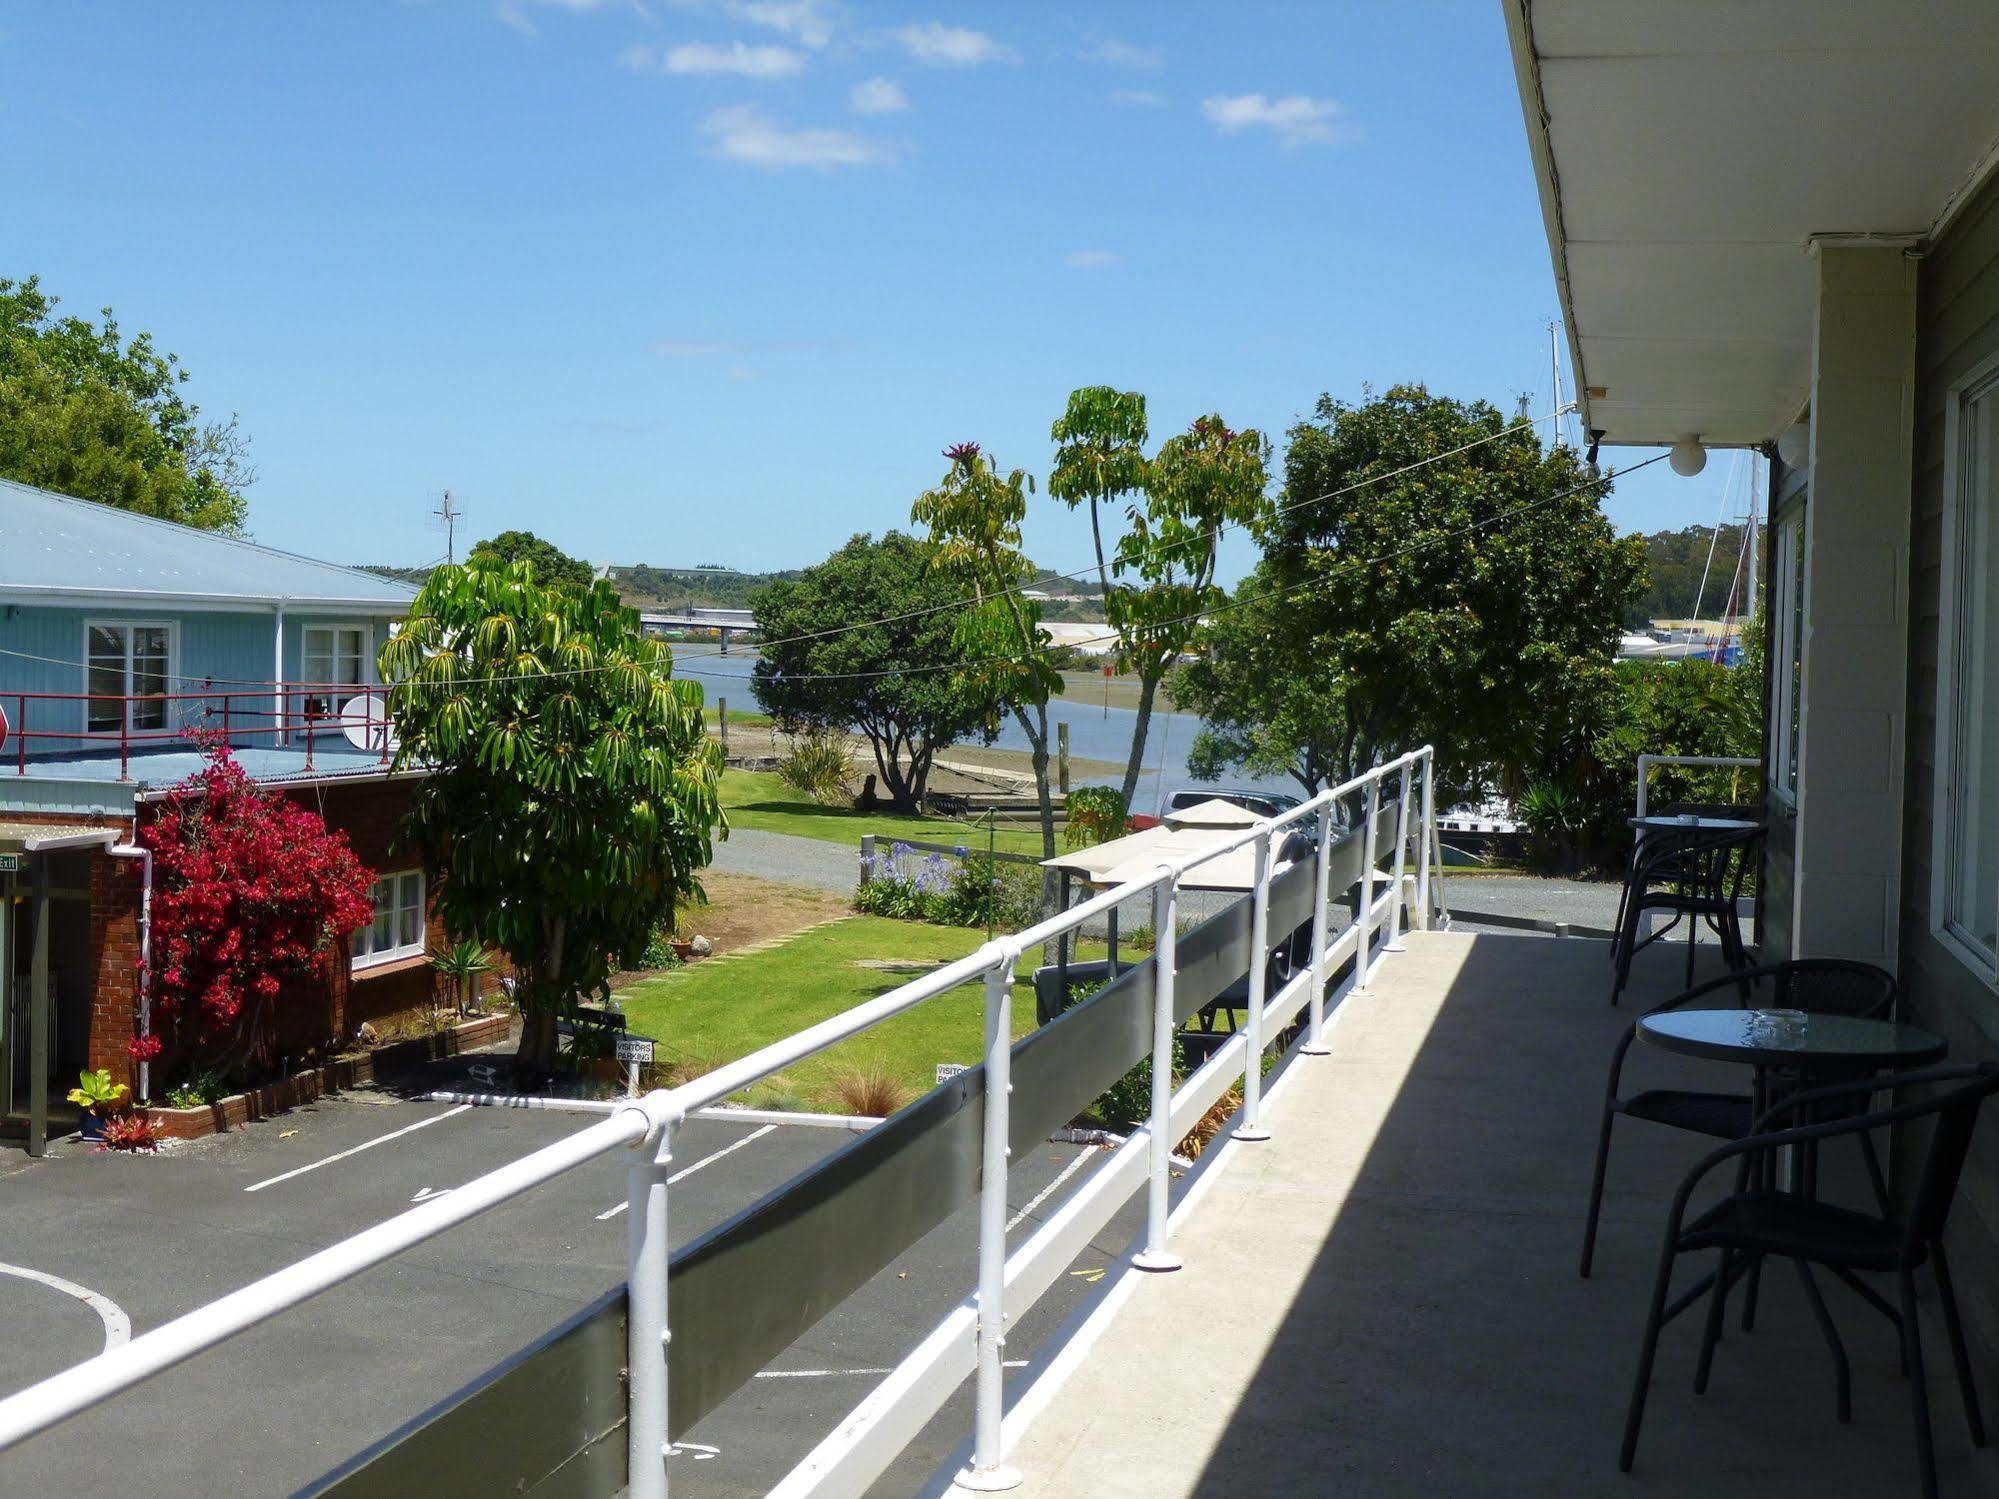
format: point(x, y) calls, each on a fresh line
point(1095, 732)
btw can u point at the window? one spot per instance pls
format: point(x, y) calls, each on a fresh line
point(127, 671)
point(397, 930)
point(1967, 807)
point(332, 656)
point(1787, 678)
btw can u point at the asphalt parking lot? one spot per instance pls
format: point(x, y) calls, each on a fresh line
point(92, 1242)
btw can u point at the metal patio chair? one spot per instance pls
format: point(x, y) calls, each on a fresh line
point(1696, 877)
point(1823, 986)
point(1788, 1225)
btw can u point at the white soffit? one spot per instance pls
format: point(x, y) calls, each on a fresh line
point(1689, 150)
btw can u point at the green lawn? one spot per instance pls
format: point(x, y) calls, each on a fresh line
point(758, 799)
point(710, 1013)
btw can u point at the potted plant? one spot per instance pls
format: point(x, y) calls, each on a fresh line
point(99, 1098)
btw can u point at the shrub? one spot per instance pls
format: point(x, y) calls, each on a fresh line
point(203, 1086)
point(130, 1132)
point(818, 765)
point(659, 951)
point(1127, 1103)
point(252, 892)
point(871, 1091)
point(959, 889)
point(1097, 814)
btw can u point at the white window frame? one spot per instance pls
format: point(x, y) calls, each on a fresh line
point(1979, 384)
point(172, 628)
point(364, 953)
point(1787, 545)
point(324, 708)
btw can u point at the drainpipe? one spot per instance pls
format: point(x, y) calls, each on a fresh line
point(278, 678)
point(145, 858)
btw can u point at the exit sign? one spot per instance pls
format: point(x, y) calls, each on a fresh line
point(10, 863)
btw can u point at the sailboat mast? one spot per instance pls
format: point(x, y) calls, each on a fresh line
point(1555, 365)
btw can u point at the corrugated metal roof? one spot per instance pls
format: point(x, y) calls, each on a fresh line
point(52, 544)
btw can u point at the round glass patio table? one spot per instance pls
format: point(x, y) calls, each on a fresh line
point(1665, 822)
point(1734, 1035)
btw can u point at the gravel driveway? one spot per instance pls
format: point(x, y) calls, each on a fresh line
point(795, 861)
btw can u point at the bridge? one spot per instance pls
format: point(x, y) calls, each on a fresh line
point(723, 622)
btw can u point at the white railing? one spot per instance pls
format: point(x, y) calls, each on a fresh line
point(971, 1340)
point(1725, 762)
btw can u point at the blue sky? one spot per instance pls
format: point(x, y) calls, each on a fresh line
point(698, 281)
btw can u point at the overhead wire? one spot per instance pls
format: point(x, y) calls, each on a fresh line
point(1081, 572)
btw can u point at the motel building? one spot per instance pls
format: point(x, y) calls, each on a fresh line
point(1777, 227)
point(119, 635)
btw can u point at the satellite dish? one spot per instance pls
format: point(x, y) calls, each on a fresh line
point(364, 720)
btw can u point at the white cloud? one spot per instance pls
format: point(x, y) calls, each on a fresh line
point(1136, 98)
point(939, 46)
point(877, 96)
point(743, 133)
point(1091, 260)
point(737, 58)
point(1124, 54)
point(1295, 119)
point(808, 22)
point(514, 12)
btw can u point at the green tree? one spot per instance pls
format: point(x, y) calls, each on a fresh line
point(1204, 480)
point(1268, 704)
point(551, 564)
point(571, 796)
point(87, 412)
point(1460, 597)
point(974, 519)
point(889, 676)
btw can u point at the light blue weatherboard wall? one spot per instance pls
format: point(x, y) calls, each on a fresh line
point(65, 562)
point(42, 650)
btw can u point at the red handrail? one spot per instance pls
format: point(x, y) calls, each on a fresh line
point(284, 705)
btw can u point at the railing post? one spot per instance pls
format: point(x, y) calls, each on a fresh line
point(988, 1474)
point(1395, 867)
point(125, 739)
point(21, 733)
point(1315, 1042)
point(1425, 833)
point(1165, 958)
point(867, 857)
point(1252, 1127)
point(1644, 775)
point(646, 1333)
point(1364, 922)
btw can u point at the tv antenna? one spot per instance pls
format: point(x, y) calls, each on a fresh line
point(445, 518)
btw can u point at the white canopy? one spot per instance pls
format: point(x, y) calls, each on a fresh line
point(1137, 855)
point(1213, 813)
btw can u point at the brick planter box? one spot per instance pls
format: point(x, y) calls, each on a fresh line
point(315, 1082)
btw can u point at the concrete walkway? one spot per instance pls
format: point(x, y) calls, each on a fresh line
point(1382, 1299)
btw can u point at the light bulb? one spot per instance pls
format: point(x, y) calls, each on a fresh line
point(1688, 457)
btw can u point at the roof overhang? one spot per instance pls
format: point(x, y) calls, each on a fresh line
point(1691, 156)
point(132, 598)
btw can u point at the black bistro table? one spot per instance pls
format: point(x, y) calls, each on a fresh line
point(1792, 1044)
point(1845, 1045)
point(1810, 1042)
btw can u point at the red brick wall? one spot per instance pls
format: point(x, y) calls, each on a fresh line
point(310, 1015)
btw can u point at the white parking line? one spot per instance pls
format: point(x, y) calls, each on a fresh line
point(365, 1145)
point(117, 1326)
point(1082, 1159)
point(706, 1160)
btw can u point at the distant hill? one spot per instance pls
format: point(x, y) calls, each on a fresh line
point(414, 576)
point(706, 586)
point(1678, 559)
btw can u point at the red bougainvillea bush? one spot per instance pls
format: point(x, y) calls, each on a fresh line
point(250, 891)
